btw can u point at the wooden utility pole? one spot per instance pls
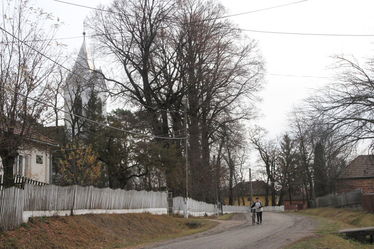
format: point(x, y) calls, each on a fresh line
point(186, 155)
point(250, 185)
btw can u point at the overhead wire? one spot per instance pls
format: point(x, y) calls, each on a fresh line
point(206, 19)
point(271, 32)
point(77, 115)
point(298, 76)
point(305, 34)
point(90, 120)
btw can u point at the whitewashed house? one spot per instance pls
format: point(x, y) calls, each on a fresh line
point(34, 160)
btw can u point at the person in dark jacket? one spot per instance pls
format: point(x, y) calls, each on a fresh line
point(257, 205)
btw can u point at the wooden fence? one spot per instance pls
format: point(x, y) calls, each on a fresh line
point(11, 208)
point(51, 197)
point(349, 199)
point(195, 208)
point(17, 205)
point(20, 181)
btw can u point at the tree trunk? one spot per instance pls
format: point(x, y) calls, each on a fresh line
point(8, 160)
point(267, 192)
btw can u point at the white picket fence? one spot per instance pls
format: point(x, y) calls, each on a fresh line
point(194, 208)
point(18, 205)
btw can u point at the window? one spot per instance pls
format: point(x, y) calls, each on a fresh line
point(20, 165)
point(39, 159)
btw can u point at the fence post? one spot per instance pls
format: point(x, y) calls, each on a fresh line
point(74, 196)
point(170, 203)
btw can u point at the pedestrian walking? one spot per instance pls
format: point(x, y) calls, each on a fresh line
point(253, 215)
point(257, 206)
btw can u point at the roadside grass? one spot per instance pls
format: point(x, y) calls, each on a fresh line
point(330, 221)
point(225, 217)
point(101, 231)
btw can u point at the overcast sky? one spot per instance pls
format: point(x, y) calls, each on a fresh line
point(296, 65)
point(286, 56)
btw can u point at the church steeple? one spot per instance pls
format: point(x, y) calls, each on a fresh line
point(82, 59)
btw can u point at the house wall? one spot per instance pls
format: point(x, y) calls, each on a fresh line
point(34, 164)
point(347, 185)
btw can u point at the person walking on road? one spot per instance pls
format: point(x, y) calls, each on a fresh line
point(257, 205)
point(253, 214)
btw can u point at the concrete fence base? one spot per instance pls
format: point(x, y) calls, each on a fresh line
point(29, 214)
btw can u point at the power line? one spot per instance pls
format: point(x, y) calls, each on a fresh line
point(271, 32)
point(85, 6)
point(79, 116)
point(298, 76)
point(206, 19)
point(90, 120)
point(304, 34)
point(259, 10)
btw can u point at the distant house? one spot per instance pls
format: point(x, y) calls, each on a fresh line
point(242, 193)
point(359, 174)
point(298, 202)
point(34, 160)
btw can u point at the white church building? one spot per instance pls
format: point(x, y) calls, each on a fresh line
point(34, 160)
point(83, 80)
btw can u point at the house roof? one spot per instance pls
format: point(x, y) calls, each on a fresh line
point(33, 135)
point(258, 187)
point(361, 167)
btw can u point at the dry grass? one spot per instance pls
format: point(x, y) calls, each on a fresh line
point(349, 217)
point(330, 221)
point(99, 231)
point(225, 217)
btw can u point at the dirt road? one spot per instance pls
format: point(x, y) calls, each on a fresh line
point(276, 231)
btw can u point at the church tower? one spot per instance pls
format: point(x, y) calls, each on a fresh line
point(83, 82)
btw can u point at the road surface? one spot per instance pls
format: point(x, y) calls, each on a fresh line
point(276, 231)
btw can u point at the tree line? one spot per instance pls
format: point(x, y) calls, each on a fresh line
point(186, 72)
point(326, 131)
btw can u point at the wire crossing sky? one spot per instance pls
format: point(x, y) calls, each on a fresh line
point(297, 39)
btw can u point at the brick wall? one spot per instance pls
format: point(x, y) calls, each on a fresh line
point(368, 202)
point(347, 185)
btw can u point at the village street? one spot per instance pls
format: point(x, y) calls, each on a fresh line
point(277, 231)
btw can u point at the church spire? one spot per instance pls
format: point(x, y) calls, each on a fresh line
point(81, 64)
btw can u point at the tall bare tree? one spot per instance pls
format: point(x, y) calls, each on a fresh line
point(269, 153)
point(24, 75)
point(173, 51)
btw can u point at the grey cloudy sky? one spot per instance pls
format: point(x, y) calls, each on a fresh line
point(287, 56)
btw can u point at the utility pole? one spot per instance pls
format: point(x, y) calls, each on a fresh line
point(186, 155)
point(250, 185)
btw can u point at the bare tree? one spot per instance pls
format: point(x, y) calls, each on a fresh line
point(172, 51)
point(268, 152)
point(24, 76)
point(287, 172)
point(346, 106)
point(219, 75)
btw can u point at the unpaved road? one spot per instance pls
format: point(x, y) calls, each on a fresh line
point(276, 231)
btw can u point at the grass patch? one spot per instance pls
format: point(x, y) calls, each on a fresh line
point(225, 217)
point(100, 231)
point(330, 221)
